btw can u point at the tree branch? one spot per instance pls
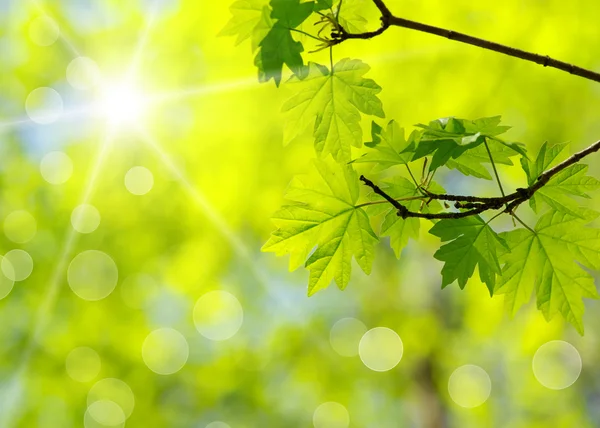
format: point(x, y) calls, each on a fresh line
point(476, 204)
point(388, 20)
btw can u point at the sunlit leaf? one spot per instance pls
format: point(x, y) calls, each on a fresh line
point(323, 214)
point(250, 19)
point(558, 192)
point(471, 161)
point(333, 101)
point(550, 262)
point(388, 146)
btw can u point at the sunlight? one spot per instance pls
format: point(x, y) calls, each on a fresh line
point(122, 103)
point(211, 214)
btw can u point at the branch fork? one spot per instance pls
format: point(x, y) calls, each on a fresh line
point(475, 205)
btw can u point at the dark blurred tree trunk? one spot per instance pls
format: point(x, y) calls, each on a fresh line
point(431, 409)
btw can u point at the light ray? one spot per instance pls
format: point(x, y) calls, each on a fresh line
point(89, 110)
point(238, 246)
point(142, 43)
point(15, 122)
point(9, 404)
point(202, 90)
point(64, 39)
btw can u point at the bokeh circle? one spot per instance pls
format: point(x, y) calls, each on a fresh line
point(92, 275)
point(85, 218)
point(83, 364)
point(115, 390)
point(469, 386)
point(218, 315)
point(83, 73)
point(345, 336)
point(165, 351)
point(139, 180)
point(557, 364)
point(43, 31)
point(44, 105)
point(380, 349)
point(17, 265)
point(56, 167)
point(20, 226)
point(331, 415)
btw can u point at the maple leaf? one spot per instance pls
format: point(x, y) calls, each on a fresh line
point(250, 19)
point(472, 243)
point(333, 101)
point(449, 138)
point(278, 47)
point(323, 214)
point(549, 260)
point(389, 147)
point(557, 193)
point(471, 161)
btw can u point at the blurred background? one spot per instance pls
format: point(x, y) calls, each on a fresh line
point(140, 161)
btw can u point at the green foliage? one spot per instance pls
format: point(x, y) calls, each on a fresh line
point(278, 47)
point(558, 192)
point(323, 213)
point(390, 146)
point(326, 216)
point(472, 244)
point(549, 260)
point(449, 138)
point(250, 19)
point(333, 101)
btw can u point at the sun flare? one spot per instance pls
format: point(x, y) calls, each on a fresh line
point(122, 103)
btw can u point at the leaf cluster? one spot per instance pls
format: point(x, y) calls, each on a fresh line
point(327, 221)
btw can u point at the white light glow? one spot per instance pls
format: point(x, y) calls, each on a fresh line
point(122, 103)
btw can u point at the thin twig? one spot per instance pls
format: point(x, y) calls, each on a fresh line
point(408, 198)
point(307, 34)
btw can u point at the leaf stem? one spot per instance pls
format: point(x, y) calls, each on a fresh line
point(523, 223)
point(428, 183)
point(494, 217)
point(307, 34)
point(331, 58)
point(412, 176)
point(494, 167)
point(337, 14)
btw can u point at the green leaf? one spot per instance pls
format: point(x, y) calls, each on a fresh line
point(350, 16)
point(550, 262)
point(545, 158)
point(322, 213)
point(291, 13)
point(333, 101)
point(398, 229)
point(558, 192)
point(250, 19)
point(471, 161)
point(323, 5)
point(473, 243)
point(449, 138)
point(389, 147)
point(279, 47)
